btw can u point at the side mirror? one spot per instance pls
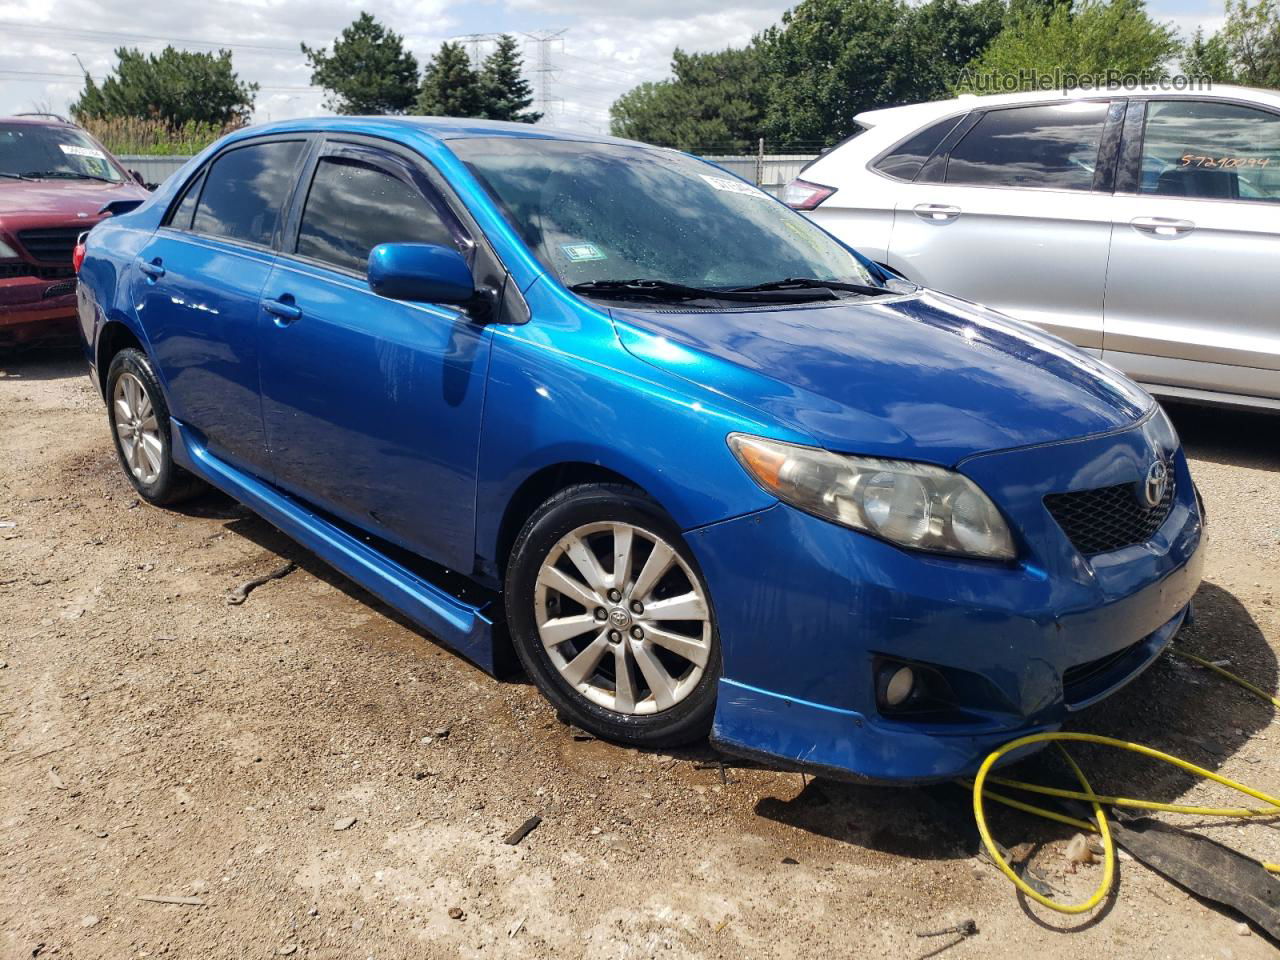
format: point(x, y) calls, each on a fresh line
point(420, 272)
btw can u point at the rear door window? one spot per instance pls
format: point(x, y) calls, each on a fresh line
point(1052, 147)
point(905, 160)
point(245, 191)
point(353, 206)
point(1211, 151)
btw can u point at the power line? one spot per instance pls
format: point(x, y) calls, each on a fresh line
point(80, 31)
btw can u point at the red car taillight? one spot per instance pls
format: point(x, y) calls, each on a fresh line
point(77, 255)
point(803, 195)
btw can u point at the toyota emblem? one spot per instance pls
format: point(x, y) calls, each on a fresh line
point(1156, 483)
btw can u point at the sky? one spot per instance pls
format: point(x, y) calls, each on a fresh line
point(603, 50)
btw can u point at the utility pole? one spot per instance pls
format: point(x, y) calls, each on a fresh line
point(545, 69)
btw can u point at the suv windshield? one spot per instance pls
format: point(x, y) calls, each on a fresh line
point(37, 151)
point(596, 212)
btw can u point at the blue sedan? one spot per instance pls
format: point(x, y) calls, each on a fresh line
point(700, 467)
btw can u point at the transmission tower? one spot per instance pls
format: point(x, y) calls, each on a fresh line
point(473, 41)
point(546, 71)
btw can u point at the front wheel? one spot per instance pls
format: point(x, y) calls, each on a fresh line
point(611, 618)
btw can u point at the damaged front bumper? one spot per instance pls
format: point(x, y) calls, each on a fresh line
point(814, 611)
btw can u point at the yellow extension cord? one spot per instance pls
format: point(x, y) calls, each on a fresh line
point(981, 793)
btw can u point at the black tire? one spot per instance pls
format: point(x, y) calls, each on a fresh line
point(686, 721)
point(172, 484)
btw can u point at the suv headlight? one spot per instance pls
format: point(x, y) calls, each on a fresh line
point(7, 252)
point(911, 504)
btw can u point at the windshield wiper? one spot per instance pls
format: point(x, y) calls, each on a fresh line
point(65, 175)
point(810, 283)
point(643, 289)
point(15, 176)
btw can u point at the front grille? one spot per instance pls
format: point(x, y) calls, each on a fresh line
point(53, 245)
point(18, 269)
point(1108, 518)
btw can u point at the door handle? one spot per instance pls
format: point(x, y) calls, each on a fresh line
point(152, 268)
point(284, 310)
point(936, 212)
point(1165, 228)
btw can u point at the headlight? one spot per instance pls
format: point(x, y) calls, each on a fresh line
point(7, 252)
point(911, 504)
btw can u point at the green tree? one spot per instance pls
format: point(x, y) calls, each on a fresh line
point(1208, 57)
point(175, 86)
point(450, 87)
point(505, 93)
point(1088, 39)
point(1252, 35)
point(713, 102)
point(831, 59)
point(369, 71)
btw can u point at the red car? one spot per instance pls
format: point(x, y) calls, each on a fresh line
point(56, 181)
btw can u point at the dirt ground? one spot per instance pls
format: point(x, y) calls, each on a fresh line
point(157, 741)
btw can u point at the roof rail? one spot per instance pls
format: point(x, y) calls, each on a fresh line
point(43, 113)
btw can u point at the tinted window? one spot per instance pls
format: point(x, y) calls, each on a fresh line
point(906, 159)
point(353, 207)
point(1211, 150)
point(245, 190)
point(1054, 146)
point(181, 217)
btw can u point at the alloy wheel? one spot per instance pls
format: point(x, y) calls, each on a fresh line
point(137, 428)
point(623, 617)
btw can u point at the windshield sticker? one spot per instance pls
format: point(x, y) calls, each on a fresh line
point(578, 252)
point(72, 150)
point(734, 186)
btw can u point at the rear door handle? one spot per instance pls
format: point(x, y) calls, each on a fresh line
point(152, 268)
point(936, 212)
point(1165, 228)
point(284, 310)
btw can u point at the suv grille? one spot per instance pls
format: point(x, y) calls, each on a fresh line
point(20, 269)
point(1108, 518)
point(51, 246)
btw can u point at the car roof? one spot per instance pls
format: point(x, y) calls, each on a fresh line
point(924, 112)
point(442, 128)
point(41, 120)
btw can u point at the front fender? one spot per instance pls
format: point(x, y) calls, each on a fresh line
point(562, 389)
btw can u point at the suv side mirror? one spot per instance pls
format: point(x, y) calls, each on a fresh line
point(420, 272)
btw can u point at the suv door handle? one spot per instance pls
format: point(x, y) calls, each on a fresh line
point(152, 268)
point(937, 212)
point(284, 310)
point(1166, 228)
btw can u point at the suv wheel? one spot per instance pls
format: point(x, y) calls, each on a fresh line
point(611, 618)
point(139, 419)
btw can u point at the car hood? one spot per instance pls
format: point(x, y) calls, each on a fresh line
point(25, 202)
point(922, 377)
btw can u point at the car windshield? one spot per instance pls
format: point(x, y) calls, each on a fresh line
point(605, 212)
point(47, 152)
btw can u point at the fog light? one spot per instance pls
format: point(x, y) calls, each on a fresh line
point(899, 688)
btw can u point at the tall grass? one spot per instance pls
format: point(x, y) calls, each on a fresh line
point(134, 135)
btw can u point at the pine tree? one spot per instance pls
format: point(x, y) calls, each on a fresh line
point(450, 87)
point(507, 94)
point(369, 71)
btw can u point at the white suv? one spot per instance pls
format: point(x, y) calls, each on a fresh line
point(1141, 225)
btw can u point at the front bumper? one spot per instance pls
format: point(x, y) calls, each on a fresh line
point(805, 608)
point(36, 309)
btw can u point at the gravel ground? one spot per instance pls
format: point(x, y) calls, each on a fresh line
point(324, 781)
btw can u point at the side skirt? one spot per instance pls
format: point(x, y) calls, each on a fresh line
point(460, 626)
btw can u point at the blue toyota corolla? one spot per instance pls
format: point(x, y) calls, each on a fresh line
point(702, 467)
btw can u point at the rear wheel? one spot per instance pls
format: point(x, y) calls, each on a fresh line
point(611, 617)
point(139, 419)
